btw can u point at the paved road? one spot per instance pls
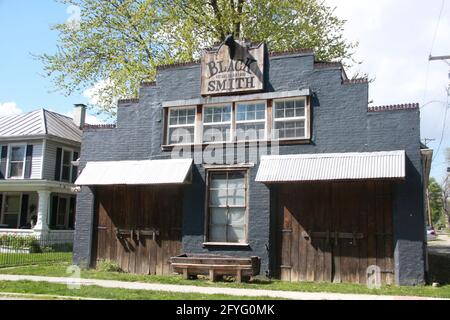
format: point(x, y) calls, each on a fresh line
point(209, 290)
point(441, 245)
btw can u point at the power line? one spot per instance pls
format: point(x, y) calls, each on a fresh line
point(432, 101)
point(431, 50)
point(443, 130)
point(437, 26)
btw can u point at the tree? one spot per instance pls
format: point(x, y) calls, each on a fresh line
point(119, 43)
point(436, 200)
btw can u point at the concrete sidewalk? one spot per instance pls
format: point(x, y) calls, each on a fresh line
point(208, 290)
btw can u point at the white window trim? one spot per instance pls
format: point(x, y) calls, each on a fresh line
point(208, 206)
point(269, 122)
point(305, 118)
point(170, 126)
point(66, 212)
point(210, 124)
point(62, 165)
point(265, 120)
point(8, 163)
point(6, 194)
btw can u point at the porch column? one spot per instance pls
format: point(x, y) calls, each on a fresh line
point(42, 214)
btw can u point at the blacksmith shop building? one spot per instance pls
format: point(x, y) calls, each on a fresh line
point(255, 154)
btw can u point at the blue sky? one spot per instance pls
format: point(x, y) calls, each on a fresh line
point(395, 39)
point(24, 30)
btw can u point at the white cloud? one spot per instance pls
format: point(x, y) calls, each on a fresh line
point(101, 95)
point(90, 119)
point(9, 109)
point(94, 93)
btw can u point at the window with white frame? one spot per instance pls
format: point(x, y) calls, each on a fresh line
point(251, 121)
point(11, 210)
point(217, 123)
point(181, 125)
point(227, 206)
point(16, 161)
point(289, 119)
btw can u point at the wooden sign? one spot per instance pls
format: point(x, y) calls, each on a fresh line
point(233, 68)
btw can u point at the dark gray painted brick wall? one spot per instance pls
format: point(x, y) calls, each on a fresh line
point(340, 123)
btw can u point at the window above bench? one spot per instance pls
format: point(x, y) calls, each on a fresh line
point(281, 119)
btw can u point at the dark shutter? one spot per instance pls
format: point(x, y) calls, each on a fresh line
point(58, 164)
point(54, 212)
point(3, 160)
point(1, 202)
point(28, 161)
point(24, 211)
point(75, 168)
point(72, 212)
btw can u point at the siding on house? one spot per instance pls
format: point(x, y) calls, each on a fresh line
point(36, 162)
point(48, 172)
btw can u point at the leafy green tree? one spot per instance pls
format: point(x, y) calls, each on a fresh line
point(119, 43)
point(436, 195)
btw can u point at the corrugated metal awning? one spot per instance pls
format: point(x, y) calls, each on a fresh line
point(332, 166)
point(170, 171)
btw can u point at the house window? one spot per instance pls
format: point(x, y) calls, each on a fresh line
point(289, 119)
point(11, 211)
point(62, 212)
point(64, 170)
point(16, 161)
point(227, 204)
point(181, 127)
point(251, 121)
point(66, 165)
point(217, 123)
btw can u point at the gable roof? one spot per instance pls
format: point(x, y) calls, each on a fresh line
point(38, 123)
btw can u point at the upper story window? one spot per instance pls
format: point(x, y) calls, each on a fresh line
point(251, 121)
point(181, 128)
point(289, 119)
point(66, 165)
point(17, 161)
point(65, 171)
point(241, 121)
point(217, 123)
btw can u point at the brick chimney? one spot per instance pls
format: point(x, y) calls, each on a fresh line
point(79, 115)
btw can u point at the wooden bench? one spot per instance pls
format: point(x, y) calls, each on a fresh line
point(215, 265)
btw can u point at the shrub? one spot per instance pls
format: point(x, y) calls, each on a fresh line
point(108, 266)
point(14, 241)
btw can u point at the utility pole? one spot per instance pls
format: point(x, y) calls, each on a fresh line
point(426, 140)
point(446, 195)
point(444, 58)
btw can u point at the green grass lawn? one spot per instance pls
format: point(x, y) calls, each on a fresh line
point(59, 270)
point(14, 259)
point(61, 290)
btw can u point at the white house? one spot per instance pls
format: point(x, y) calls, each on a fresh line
point(38, 152)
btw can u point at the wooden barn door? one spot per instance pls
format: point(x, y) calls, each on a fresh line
point(138, 227)
point(334, 231)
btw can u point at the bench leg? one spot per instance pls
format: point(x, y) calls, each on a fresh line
point(212, 276)
point(185, 274)
point(239, 275)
